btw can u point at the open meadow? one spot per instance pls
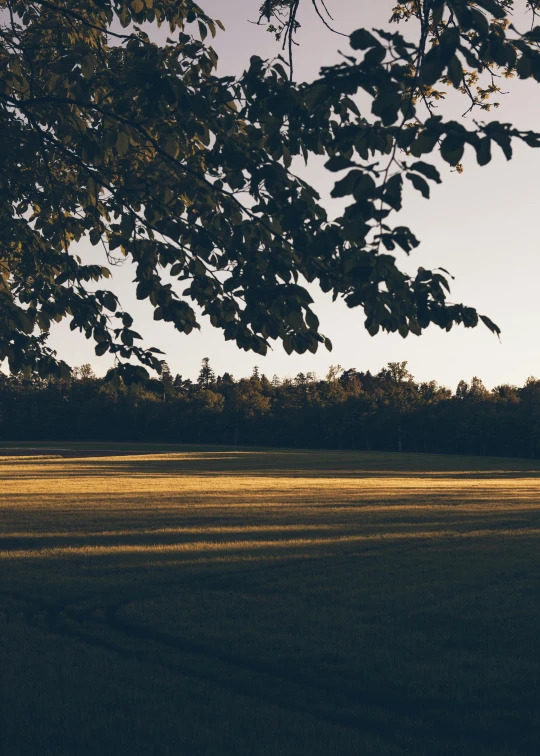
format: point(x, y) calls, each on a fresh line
point(213, 601)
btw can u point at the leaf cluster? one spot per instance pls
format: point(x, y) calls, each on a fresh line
point(144, 150)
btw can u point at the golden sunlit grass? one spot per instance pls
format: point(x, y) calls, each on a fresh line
point(214, 601)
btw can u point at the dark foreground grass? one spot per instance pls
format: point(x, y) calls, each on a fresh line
point(235, 602)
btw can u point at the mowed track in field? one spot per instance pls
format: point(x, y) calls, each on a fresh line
point(217, 601)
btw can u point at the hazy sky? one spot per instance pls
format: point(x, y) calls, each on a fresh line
point(482, 226)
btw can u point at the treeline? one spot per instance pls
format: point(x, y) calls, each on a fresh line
point(346, 410)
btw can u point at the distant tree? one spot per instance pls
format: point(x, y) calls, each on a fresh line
point(428, 418)
point(332, 392)
point(84, 373)
point(207, 376)
point(167, 382)
point(248, 404)
point(397, 372)
point(302, 382)
point(181, 385)
point(507, 392)
point(266, 385)
point(334, 371)
point(361, 411)
point(399, 395)
point(351, 381)
point(474, 391)
point(431, 392)
point(477, 390)
point(225, 380)
point(462, 390)
point(530, 397)
point(209, 400)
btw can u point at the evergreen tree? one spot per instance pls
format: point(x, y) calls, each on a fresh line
point(207, 376)
point(167, 381)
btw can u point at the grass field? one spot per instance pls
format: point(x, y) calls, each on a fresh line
point(208, 601)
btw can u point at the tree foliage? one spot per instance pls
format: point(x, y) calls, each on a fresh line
point(349, 409)
point(142, 148)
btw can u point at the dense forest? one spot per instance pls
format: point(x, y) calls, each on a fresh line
point(346, 410)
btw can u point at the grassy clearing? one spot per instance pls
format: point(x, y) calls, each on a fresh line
point(209, 601)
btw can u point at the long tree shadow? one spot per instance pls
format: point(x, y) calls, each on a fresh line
point(283, 684)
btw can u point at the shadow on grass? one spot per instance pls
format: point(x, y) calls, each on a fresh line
point(407, 615)
point(303, 464)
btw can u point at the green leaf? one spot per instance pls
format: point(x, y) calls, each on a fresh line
point(101, 348)
point(171, 146)
point(428, 170)
point(122, 143)
point(281, 71)
point(88, 66)
point(490, 324)
point(361, 39)
point(109, 301)
point(424, 143)
point(288, 344)
point(452, 149)
point(372, 327)
point(479, 21)
point(355, 231)
point(493, 7)
point(483, 151)
point(392, 191)
point(524, 67)
point(374, 57)
point(419, 183)
point(535, 66)
point(312, 320)
point(455, 72)
point(144, 289)
point(533, 35)
point(414, 327)
point(387, 105)
point(364, 187)
point(63, 277)
point(346, 185)
point(91, 186)
point(338, 163)
point(432, 66)
point(504, 142)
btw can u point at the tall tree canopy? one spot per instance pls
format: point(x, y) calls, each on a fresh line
point(145, 150)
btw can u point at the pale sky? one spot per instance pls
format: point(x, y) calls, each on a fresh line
point(482, 226)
